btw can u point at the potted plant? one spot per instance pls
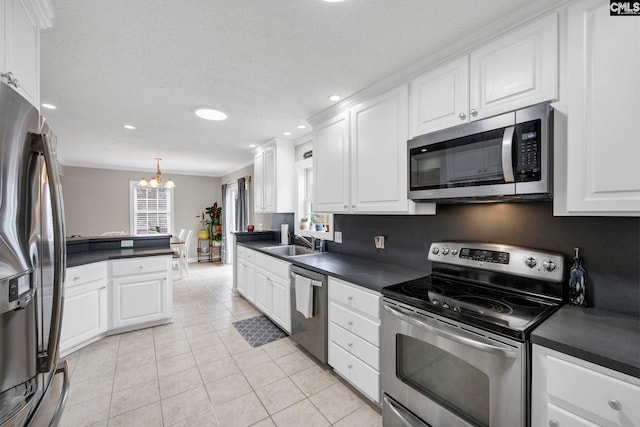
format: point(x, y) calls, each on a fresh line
point(203, 233)
point(304, 223)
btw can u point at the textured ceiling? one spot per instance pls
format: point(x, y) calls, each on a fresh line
point(268, 64)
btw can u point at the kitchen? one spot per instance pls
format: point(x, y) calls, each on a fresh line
point(594, 205)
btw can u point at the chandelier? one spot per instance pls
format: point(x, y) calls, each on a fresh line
point(157, 180)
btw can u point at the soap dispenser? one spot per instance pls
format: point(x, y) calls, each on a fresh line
point(577, 294)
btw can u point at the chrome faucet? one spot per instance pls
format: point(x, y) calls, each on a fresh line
point(310, 243)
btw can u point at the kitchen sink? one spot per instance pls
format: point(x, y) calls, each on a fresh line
point(290, 250)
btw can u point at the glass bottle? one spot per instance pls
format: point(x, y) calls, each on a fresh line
point(577, 295)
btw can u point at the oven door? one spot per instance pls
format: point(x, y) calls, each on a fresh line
point(450, 375)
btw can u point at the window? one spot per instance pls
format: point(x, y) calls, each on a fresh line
point(151, 209)
point(315, 224)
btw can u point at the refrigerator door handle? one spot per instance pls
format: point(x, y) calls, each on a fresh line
point(59, 252)
point(63, 367)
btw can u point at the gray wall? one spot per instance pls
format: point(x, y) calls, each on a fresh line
point(254, 218)
point(610, 246)
point(97, 200)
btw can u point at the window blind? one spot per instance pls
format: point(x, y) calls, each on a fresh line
point(151, 210)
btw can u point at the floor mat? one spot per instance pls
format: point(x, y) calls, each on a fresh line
point(259, 330)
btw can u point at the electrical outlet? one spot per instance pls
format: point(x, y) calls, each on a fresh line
point(126, 243)
point(337, 236)
point(379, 242)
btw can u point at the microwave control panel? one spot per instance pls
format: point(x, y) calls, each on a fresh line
point(528, 153)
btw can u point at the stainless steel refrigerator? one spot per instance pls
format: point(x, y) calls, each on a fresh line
point(33, 382)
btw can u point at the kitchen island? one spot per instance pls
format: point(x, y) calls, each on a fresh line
point(115, 284)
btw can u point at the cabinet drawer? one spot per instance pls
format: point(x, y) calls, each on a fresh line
point(353, 296)
point(363, 377)
point(246, 254)
point(139, 266)
point(85, 273)
point(566, 418)
point(355, 323)
point(368, 353)
point(273, 265)
point(567, 382)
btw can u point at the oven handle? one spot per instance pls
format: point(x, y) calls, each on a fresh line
point(401, 414)
point(507, 156)
point(411, 318)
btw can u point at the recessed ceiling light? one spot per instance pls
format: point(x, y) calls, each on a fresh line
point(287, 134)
point(333, 1)
point(302, 127)
point(252, 145)
point(209, 114)
point(130, 127)
point(335, 98)
point(49, 106)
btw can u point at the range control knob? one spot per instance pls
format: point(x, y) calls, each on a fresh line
point(445, 305)
point(531, 262)
point(435, 302)
point(549, 265)
point(454, 252)
point(435, 251)
point(445, 251)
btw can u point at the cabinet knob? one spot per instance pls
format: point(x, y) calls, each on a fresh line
point(349, 366)
point(350, 344)
point(473, 112)
point(462, 116)
point(345, 206)
point(76, 278)
point(350, 322)
point(554, 423)
point(349, 297)
point(614, 404)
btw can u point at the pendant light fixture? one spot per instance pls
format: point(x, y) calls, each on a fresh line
point(157, 180)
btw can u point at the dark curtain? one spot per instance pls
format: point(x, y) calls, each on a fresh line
point(223, 221)
point(242, 205)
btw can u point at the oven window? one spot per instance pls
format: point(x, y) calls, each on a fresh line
point(444, 378)
point(473, 160)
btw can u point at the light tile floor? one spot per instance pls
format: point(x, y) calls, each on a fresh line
point(199, 371)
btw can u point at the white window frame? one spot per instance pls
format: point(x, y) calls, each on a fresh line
point(133, 205)
point(304, 202)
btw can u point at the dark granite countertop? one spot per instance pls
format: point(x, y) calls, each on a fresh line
point(81, 258)
point(598, 336)
point(368, 274)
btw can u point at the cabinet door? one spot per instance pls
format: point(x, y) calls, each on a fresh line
point(242, 277)
point(440, 98)
point(516, 70)
point(331, 165)
point(85, 315)
point(379, 154)
point(269, 180)
point(258, 188)
point(565, 418)
point(281, 307)
point(251, 282)
point(263, 291)
point(603, 57)
point(139, 299)
point(22, 57)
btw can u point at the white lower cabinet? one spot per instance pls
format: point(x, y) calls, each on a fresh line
point(85, 315)
point(246, 273)
point(141, 292)
point(354, 335)
point(272, 295)
point(567, 391)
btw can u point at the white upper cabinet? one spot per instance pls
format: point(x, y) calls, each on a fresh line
point(514, 71)
point(331, 164)
point(20, 49)
point(379, 153)
point(360, 155)
point(274, 173)
point(440, 97)
point(603, 109)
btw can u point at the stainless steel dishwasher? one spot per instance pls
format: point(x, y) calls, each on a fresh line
point(310, 333)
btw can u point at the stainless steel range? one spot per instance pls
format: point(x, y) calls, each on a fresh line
point(455, 349)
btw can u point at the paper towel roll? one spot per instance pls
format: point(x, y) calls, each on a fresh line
point(284, 234)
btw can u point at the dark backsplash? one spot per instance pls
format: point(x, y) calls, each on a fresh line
point(610, 246)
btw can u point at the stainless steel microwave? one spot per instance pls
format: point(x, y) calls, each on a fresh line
point(505, 157)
